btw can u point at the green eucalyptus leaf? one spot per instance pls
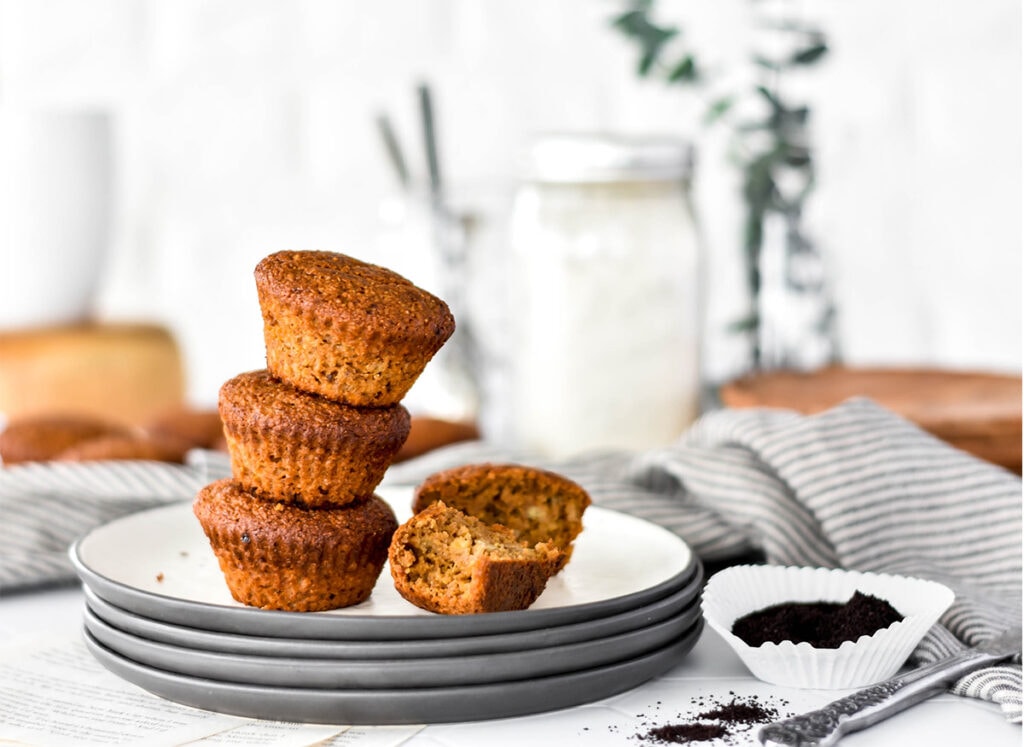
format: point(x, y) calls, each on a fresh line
point(649, 37)
point(753, 236)
point(771, 98)
point(755, 126)
point(748, 323)
point(631, 23)
point(809, 55)
point(799, 158)
point(765, 62)
point(828, 318)
point(652, 38)
point(685, 70)
point(796, 116)
point(718, 109)
point(647, 60)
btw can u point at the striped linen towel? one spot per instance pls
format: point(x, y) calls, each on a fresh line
point(44, 507)
point(855, 487)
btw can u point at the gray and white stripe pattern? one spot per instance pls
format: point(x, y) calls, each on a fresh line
point(855, 487)
point(45, 507)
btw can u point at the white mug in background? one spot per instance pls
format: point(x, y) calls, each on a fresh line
point(55, 199)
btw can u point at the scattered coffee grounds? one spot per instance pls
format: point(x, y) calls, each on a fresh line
point(726, 721)
point(740, 712)
point(683, 733)
point(821, 624)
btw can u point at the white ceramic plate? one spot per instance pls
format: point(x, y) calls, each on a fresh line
point(310, 648)
point(158, 564)
point(406, 706)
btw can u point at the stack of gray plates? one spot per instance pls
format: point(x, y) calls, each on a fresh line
point(626, 609)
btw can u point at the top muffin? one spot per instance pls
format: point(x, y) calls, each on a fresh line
point(345, 329)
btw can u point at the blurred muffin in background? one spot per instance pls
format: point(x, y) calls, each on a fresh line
point(127, 446)
point(40, 438)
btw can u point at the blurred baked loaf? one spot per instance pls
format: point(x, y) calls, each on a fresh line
point(345, 329)
point(283, 557)
point(288, 445)
point(445, 561)
point(123, 373)
point(536, 504)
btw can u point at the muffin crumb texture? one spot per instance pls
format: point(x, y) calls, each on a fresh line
point(537, 505)
point(445, 561)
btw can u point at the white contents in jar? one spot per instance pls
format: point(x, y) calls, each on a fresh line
point(605, 315)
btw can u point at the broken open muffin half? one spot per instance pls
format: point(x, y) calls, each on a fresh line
point(445, 561)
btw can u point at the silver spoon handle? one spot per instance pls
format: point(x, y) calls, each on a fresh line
point(871, 705)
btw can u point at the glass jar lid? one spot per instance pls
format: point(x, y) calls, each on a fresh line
point(601, 157)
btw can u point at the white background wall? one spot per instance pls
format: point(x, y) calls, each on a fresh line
point(246, 126)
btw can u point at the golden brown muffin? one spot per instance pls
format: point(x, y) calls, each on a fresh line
point(347, 330)
point(152, 448)
point(43, 437)
point(538, 505)
point(445, 561)
point(200, 428)
point(284, 557)
point(291, 446)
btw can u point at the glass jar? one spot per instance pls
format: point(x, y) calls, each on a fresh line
point(605, 323)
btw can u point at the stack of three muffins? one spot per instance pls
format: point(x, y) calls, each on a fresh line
point(298, 526)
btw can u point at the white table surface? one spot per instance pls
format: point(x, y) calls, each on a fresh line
point(711, 669)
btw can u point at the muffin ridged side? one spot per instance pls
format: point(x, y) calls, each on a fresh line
point(291, 446)
point(282, 557)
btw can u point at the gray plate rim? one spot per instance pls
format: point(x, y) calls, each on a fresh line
point(409, 706)
point(276, 623)
point(449, 671)
point(201, 639)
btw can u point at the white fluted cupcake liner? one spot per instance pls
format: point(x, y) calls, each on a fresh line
point(740, 590)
